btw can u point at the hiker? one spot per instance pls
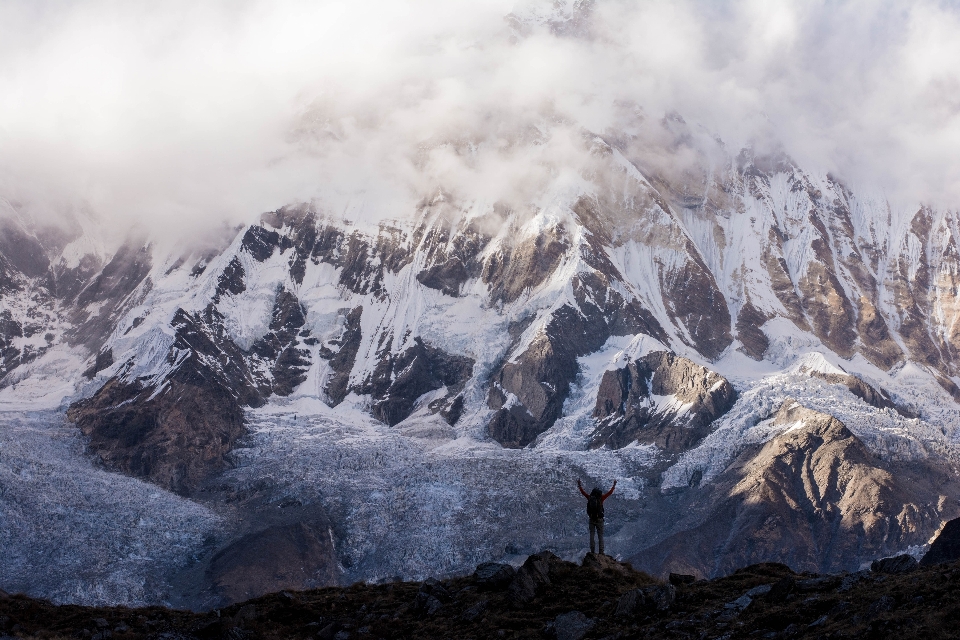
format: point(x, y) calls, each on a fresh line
point(595, 511)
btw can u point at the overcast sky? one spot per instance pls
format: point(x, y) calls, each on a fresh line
point(181, 114)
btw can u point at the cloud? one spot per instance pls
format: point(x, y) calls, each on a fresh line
point(178, 115)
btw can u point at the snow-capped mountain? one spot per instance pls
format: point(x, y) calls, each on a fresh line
point(759, 354)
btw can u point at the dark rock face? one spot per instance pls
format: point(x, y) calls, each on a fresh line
point(532, 576)
point(23, 252)
point(754, 340)
point(297, 556)
point(525, 264)
point(399, 380)
point(126, 271)
point(626, 411)
point(260, 242)
point(175, 439)
point(897, 564)
point(177, 434)
point(278, 351)
point(814, 497)
point(341, 361)
point(447, 277)
point(693, 299)
point(104, 359)
point(946, 548)
point(539, 378)
point(10, 354)
point(231, 280)
point(493, 575)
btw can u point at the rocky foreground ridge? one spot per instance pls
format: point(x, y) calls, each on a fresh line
point(550, 598)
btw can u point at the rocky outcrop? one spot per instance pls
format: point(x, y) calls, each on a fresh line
point(763, 600)
point(528, 391)
point(752, 338)
point(278, 360)
point(178, 431)
point(946, 546)
point(10, 353)
point(231, 280)
point(524, 264)
point(341, 361)
point(175, 439)
point(297, 556)
point(812, 497)
point(398, 381)
point(447, 277)
point(875, 397)
point(22, 251)
point(100, 304)
point(660, 399)
point(531, 578)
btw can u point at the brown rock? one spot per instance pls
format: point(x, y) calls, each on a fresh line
point(946, 547)
point(530, 578)
point(625, 413)
point(813, 497)
point(297, 556)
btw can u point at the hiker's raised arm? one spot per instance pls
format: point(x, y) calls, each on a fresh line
point(580, 486)
point(609, 493)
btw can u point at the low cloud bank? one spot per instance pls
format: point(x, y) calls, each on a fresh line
point(178, 118)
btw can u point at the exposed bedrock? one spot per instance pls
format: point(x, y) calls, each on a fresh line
point(174, 439)
point(813, 497)
point(342, 360)
point(10, 354)
point(400, 379)
point(178, 431)
point(22, 252)
point(529, 390)
point(524, 264)
point(946, 547)
point(874, 396)
point(231, 280)
point(447, 276)
point(660, 399)
point(295, 556)
point(693, 300)
point(279, 363)
point(100, 304)
point(688, 289)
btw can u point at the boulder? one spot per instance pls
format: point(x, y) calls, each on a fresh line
point(946, 548)
point(629, 603)
point(898, 564)
point(660, 597)
point(532, 575)
point(602, 562)
point(431, 597)
point(493, 575)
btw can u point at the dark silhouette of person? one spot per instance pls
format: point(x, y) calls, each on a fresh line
point(595, 501)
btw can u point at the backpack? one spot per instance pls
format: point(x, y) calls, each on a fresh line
point(595, 506)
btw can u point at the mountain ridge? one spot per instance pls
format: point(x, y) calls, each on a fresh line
point(639, 324)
